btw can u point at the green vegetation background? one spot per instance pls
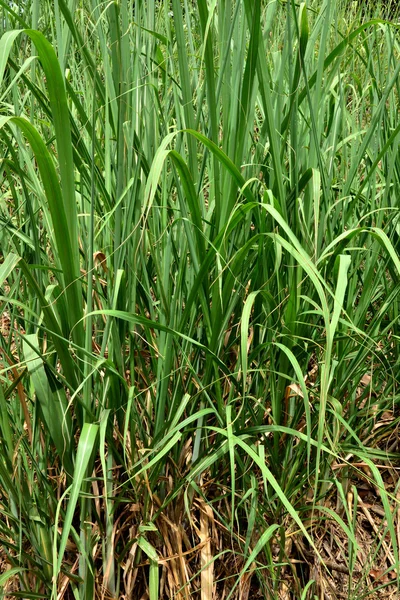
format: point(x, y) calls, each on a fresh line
point(199, 227)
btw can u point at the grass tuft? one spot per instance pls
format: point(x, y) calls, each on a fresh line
point(199, 297)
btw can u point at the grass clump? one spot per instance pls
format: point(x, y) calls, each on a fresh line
point(200, 300)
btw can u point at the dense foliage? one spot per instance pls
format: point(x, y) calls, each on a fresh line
point(199, 228)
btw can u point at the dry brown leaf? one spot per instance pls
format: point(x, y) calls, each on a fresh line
point(379, 575)
point(99, 258)
point(294, 387)
point(206, 557)
point(365, 380)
